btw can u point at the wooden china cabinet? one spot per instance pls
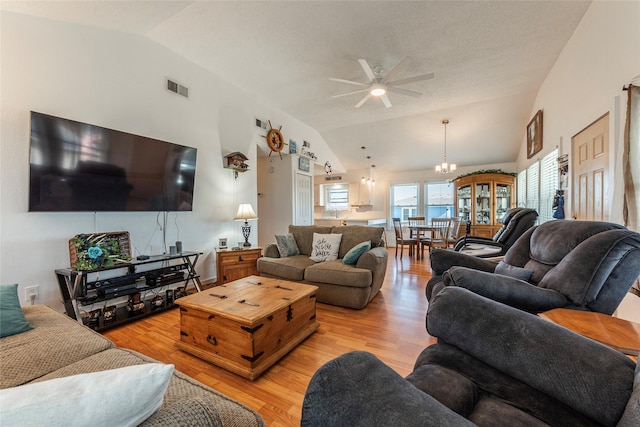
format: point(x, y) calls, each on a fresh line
point(483, 199)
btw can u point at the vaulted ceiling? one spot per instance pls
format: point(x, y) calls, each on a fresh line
point(488, 58)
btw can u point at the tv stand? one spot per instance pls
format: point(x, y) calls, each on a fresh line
point(111, 296)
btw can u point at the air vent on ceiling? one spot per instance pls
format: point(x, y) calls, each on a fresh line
point(177, 88)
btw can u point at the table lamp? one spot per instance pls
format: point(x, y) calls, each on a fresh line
point(245, 213)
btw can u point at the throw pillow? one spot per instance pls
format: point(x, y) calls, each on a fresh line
point(515, 272)
point(287, 245)
point(12, 320)
point(325, 247)
point(351, 258)
point(118, 397)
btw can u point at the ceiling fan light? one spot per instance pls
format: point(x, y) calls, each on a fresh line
point(378, 90)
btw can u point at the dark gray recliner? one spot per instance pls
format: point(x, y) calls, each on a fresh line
point(584, 265)
point(514, 223)
point(493, 365)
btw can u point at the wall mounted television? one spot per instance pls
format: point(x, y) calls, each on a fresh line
point(77, 166)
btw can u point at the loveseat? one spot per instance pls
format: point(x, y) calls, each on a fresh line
point(58, 346)
point(493, 365)
point(345, 285)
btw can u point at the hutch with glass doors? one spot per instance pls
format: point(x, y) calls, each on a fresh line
point(483, 199)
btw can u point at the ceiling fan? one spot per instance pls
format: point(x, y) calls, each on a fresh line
point(379, 85)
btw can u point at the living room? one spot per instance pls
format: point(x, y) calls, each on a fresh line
point(115, 79)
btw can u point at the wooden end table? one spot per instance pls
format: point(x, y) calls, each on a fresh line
point(247, 325)
point(619, 334)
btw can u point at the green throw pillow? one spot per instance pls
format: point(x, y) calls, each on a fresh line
point(351, 258)
point(12, 320)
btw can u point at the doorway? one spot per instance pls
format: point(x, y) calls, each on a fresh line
point(590, 153)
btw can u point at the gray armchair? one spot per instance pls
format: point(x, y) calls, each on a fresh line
point(514, 223)
point(584, 265)
point(493, 365)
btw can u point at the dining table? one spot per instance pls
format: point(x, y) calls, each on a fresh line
point(418, 230)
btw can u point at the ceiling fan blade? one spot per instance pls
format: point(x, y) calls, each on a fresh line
point(363, 100)
point(398, 68)
point(351, 82)
point(412, 79)
point(367, 69)
point(404, 91)
point(385, 100)
point(350, 93)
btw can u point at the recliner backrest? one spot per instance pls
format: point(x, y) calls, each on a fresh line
point(583, 260)
point(514, 223)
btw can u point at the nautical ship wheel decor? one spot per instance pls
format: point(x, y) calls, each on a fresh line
point(275, 140)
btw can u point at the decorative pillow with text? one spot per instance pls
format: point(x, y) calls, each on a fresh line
point(325, 247)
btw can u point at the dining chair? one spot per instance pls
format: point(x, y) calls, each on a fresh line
point(439, 235)
point(454, 230)
point(401, 240)
point(416, 220)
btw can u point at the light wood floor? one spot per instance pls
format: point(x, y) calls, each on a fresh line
point(392, 327)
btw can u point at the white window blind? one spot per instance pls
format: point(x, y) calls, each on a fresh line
point(548, 185)
point(522, 189)
point(533, 186)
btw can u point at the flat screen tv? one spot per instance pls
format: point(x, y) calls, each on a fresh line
point(81, 167)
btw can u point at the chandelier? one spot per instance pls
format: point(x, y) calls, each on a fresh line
point(445, 167)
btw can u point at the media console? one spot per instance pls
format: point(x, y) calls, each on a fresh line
point(112, 296)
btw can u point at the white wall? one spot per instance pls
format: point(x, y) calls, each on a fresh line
point(585, 83)
point(116, 80)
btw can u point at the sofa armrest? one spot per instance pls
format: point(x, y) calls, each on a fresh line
point(357, 389)
point(443, 259)
point(375, 260)
point(575, 370)
point(507, 290)
point(271, 251)
point(194, 412)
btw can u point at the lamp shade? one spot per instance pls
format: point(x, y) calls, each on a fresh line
point(245, 212)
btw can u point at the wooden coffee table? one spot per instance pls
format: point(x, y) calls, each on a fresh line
point(616, 333)
point(247, 325)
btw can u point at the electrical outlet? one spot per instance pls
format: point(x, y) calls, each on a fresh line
point(32, 290)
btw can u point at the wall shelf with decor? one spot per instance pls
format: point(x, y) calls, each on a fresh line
point(96, 298)
point(483, 199)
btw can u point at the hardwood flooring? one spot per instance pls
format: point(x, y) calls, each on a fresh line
point(392, 327)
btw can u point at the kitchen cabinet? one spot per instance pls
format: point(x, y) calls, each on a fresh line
point(360, 194)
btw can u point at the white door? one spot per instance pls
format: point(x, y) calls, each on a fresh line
point(303, 200)
point(590, 172)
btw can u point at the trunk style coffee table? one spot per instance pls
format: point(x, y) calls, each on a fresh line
point(247, 325)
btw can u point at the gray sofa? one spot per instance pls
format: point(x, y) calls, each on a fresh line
point(352, 286)
point(493, 365)
point(58, 346)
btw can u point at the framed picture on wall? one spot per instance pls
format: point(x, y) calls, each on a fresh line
point(293, 146)
point(304, 164)
point(534, 135)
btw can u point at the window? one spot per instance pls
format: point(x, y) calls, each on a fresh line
point(337, 197)
point(537, 186)
point(439, 197)
point(404, 201)
point(533, 185)
point(548, 185)
point(522, 189)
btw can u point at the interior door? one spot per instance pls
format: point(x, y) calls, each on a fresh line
point(303, 200)
point(590, 149)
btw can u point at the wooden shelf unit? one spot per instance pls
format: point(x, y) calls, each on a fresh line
point(237, 264)
point(483, 199)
